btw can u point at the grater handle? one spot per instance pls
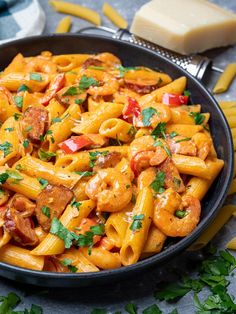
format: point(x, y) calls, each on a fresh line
point(196, 65)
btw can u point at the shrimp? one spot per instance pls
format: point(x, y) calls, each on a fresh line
point(203, 144)
point(106, 84)
point(108, 58)
point(41, 64)
point(111, 189)
point(182, 145)
point(164, 213)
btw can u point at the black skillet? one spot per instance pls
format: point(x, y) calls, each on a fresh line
point(130, 55)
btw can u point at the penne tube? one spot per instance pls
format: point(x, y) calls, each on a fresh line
point(4, 196)
point(70, 219)
point(17, 65)
point(60, 131)
point(5, 237)
point(117, 129)
point(194, 166)
point(198, 187)
point(155, 241)
point(102, 258)
point(35, 167)
point(232, 121)
point(30, 187)
point(124, 167)
point(222, 217)
point(134, 240)
point(79, 190)
point(142, 132)
point(36, 82)
point(116, 226)
point(233, 131)
point(227, 104)
point(92, 104)
point(64, 25)
point(114, 16)
point(84, 265)
point(69, 62)
point(234, 143)
point(91, 122)
point(55, 109)
point(77, 10)
point(40, 233)
point(20, 257)
point(180, 116)
point(234, 164)
point(225, 79)
point(230, 112)
point(232, 188)
point(176, 87)
point(80, 161)
point(231, 244)
point(31, 100)
point(187, 130)
point(146, 177)
point(7, 108)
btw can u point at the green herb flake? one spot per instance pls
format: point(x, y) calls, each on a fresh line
point(3, 177)
point(26, 143)
point(9, 129)
point(94, 155)
point(14, 175)
point(187, 93)
point(36, 77)
point(183, 140)
point(123, 70)
point(62, 232)
point(19, 167)
point(152, 309)
point(76, 204)
point(46, 211)
point(159, 131)
point(158, 184)
point(147, 114)
point(43, 182)
point(54, 120)
point(71, 91)
point(177, 182)
point(29, 128)
point(85, 173)
point(9, 302)
point(131, 308)
point(173, 134)
point(181, 213)
point(67, 262)
point(137, 222)
point(18, 101)
point(86, 82)
point(159, 143)
point(5, 147)
point(198, 117)
point(128, 186)
point(98, 229)
point(79, 101)
point(132, 131)
point(16, 116)
point(45, 156)
point(23, 88)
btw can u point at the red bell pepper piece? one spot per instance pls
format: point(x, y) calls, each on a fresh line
point(132, 109)
point(75, 143)
point(55, 86)
point(174, 100)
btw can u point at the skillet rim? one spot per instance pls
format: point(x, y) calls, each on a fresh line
point(173, 250)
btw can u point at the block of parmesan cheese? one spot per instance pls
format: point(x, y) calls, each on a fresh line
point(185, 26)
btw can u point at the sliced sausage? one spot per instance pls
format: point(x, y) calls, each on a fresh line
point(140, 88)
point(91, 62)
point(20, 228)
point(108, 161)
point(55, 198)
point(35, 123)
point(172, 177)
point(182, 145)
point(23, 205)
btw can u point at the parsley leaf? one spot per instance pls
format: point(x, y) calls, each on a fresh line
point(159, 143)
point(131, 308)
point(86, 82)
point(94, 155)
point(176, 182)
point(46, 211)
point(71, 91)
point(3, 177)
point(152, 309)
point(9, 302)
point(45, 156)
point(159, 131)
point(98, 229)
point(181, 213)
point(183, 140)
point(12, 174)
point(29, 128)
point(56, 119)
point(187, 93)
point(173, 134)
point(79, 101)
point(18, 101)
point(198, 117)
point(67, 262)
point(76, 204)
point(62, 232)
point(43, 182)
point(26, 143)
point(158, 184)
point(36, 77)
point(85, 173)
point(9, 129)
point(171, 292)
point(137, 222)
point(16, 116)
point(5, 147)
point(147, 114)
point(123, 70)
point(23, 88)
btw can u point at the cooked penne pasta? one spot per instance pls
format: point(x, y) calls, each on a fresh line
point(225, 79)
point(64, 25)
point(114, 16)
point(231, 244)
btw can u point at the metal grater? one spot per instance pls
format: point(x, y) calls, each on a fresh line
point(196, 65)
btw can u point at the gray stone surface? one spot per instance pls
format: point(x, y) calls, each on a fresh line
point(140, 291)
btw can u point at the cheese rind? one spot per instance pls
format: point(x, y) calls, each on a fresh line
point(185, 26)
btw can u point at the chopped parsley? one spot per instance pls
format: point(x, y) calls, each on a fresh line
point(45, 156)
point(19, 167)
point(46, 211)
point(57, 119)
point(132, 131)
point(158, 184)
point(159, 131)
point(176, 182)
point(76, 204)
point(23, 88)
point(159, 143)
point(94, 155)
point(43, 182)
point(128, 186)
point(79, 101)
point(5, 147)
point(198, 117)
point(86, 82)
point(9, 129)
point(36, 77)
point(3, 177)
point(123, 70)
point(29, 128)
point(16, 116)
point(137, 222)
point(85, 173)
point(187, 93)
point(26, 143)
point(173, 134)
point(18, 101)
point(71, 91)
point(98, 229)
point(12, 174)
point(183, 140)
point(147, 114)
point(62, 232)
point(133, 199)
point(131, 308)
point(152, 309)
point(181, 213)
point(67, 262)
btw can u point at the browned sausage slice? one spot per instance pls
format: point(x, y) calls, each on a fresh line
point(35, 123)
point(23, 205)
point(20, 228)
point(108, 161)
point(50, 203)
point(91, 62)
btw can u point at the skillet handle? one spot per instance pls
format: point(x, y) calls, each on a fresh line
point(196, 65)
